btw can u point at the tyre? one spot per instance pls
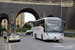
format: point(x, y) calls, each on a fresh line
point(19, 40)
point(57, 40)
point(41, 37)
point(35, 36)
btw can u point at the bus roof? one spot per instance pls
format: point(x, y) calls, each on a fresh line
point(52, 18)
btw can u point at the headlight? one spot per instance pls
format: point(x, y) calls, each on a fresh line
point(62, 34)
point(47, 33)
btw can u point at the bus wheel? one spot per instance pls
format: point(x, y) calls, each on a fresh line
point(41, 37)
point(57, 40)
point(35, 36)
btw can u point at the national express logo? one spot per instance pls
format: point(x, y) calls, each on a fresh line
point(38, 29)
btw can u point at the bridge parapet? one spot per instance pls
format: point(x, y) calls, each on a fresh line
point(53, 1)
point(65, 3)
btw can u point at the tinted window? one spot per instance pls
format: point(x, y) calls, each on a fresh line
point(14, 34)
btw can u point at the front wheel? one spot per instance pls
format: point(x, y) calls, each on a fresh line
point(35, 36)
point(19, 40)
point(41, 37)
point(57, 40)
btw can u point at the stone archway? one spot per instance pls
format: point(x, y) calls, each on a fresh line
point(3, 16)
point(29, 10)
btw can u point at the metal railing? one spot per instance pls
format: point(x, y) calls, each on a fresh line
point(69, 34)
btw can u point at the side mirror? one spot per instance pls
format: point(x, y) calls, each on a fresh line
point(64, 23)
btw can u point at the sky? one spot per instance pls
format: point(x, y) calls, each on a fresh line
point(29, 17)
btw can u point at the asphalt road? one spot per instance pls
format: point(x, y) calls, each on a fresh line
point(29, 43)
point(3, 46)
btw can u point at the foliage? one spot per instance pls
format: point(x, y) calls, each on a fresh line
point(2, 28)
point(30, 21)
point(74, 1)
point(26, 27)
point(23, 29)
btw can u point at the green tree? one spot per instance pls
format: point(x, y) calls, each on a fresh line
point(74, 1)
point(2, 28)
point(26, 27)
point(30, 21)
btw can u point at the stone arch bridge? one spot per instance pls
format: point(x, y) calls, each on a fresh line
point(11, 10)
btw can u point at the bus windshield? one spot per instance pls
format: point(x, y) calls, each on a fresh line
point(53, 26)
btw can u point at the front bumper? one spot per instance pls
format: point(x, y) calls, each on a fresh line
point(11, 39)
point(55, 39)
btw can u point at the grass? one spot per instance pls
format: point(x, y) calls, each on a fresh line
point(69, 37)
point(69, 30)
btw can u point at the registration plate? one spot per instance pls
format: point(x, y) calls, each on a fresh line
point(13, 37)
point(54, 38)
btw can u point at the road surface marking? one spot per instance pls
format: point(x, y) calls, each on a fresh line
point(65, 47)
point(6, 47)
point(9, 46)
point(56, 44)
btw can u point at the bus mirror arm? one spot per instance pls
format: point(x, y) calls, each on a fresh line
point(61, 31)
point(64, 23)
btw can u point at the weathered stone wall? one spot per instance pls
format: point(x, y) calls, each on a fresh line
point(53, 1)
point(70, 18)
point(48, 9)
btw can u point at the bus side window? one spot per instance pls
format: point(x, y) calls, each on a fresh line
point(43, 26)
point(39, 24)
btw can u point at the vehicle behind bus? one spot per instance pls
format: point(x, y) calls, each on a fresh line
point(49, 28)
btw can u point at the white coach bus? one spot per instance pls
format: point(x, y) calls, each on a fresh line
point(49, 28)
